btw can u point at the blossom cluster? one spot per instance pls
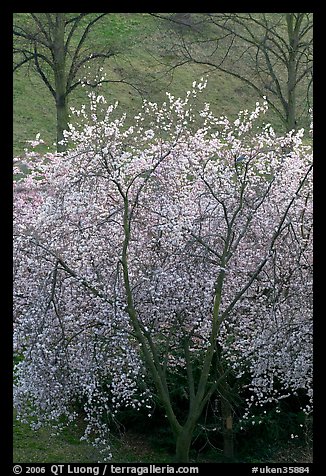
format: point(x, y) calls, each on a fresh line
point(153, 215)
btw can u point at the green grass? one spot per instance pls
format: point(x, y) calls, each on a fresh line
point(39, 446)
point(31, 446)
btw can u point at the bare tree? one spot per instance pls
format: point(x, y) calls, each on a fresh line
point(56, 46)
point(271, 53)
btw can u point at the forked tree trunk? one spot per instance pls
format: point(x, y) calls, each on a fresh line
point(184, 438)
point(59, 54)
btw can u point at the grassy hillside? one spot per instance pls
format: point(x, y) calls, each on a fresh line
point(136, 39)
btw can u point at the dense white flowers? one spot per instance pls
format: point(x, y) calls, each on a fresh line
point(146, 242)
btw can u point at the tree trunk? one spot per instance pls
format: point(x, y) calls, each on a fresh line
point(291, 112)
point(62, 120)
point(291, 102)
point(228, 446)
point(183, 443)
